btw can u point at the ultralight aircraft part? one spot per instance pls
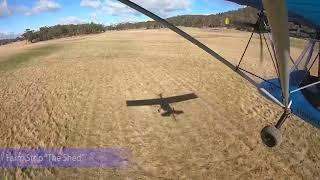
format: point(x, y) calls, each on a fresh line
point(189, 38)
point(277, 14)
point(271, 136)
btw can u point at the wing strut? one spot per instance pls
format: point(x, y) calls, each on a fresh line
point(188, 37)
point(277, 14)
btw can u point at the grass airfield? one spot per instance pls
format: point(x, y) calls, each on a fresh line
point(72, 92)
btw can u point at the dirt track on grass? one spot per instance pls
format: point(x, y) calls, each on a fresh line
point(76, 97)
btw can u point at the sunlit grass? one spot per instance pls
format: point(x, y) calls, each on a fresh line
point(298, 43)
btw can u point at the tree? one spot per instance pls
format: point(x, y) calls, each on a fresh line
point(59, 31)
point(28, 35)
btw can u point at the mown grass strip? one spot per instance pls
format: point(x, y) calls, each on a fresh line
point(14, 61)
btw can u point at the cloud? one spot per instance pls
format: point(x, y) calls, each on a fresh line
point(161, 7)
point(43, 6)
point(165, 6)
point(91, 3)
point(4, 9)
point(117, 9)
point(71, 20)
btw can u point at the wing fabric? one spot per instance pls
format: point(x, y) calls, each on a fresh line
point(277, 14)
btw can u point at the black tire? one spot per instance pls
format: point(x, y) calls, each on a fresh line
point(271, 136)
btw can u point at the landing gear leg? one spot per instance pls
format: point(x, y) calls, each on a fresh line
point(271, 135)
point(173, 116)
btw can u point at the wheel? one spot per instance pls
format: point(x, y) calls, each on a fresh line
point(271, 136)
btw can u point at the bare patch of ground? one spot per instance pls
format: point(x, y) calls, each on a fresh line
point(75, 96)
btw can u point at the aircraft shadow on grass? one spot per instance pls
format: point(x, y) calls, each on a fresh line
point(164, 103)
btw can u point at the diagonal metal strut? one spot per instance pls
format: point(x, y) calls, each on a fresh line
point(189, 38)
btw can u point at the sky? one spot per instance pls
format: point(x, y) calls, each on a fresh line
point(18, 15)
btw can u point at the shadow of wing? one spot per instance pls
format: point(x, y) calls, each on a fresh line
point(166, 114)
point(181, 98)
point(158, 101)
point(178, 112)
point(146, 102)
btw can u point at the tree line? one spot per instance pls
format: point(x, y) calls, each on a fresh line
point(242, 19)
point(60, 31)
point(7, 41)
point(238, 19)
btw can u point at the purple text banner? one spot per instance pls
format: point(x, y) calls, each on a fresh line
point(64, 158)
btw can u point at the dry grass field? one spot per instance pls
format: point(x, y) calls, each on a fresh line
point(72, 93)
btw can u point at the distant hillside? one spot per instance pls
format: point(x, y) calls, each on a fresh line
point(7, 41)
point(55, 32)
point(241, 19)
point(237, 17)
point(60, 31)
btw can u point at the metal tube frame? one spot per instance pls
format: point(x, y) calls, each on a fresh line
point(260, 21)
point(189, 38)
point(245, 50)
point(286, 114)
point(287, 111)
